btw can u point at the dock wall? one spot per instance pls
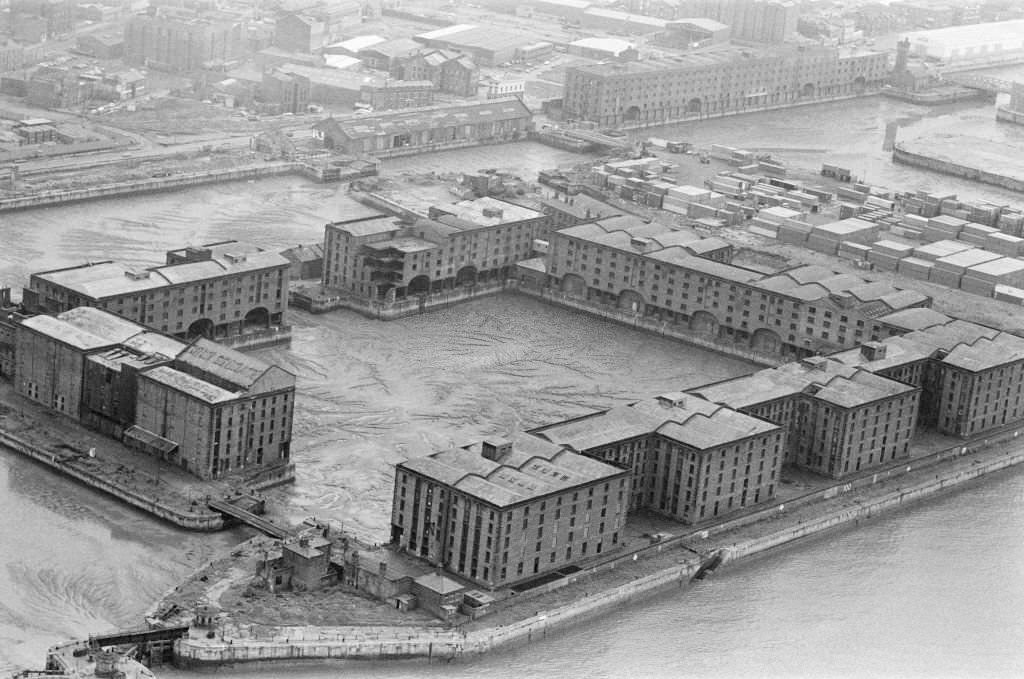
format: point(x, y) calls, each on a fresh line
point(199, 521)
point(151, 185)
point(893, 500)
point(637, 320)
point(1008, 115)
point(382, 643)
point(902, 156)
point(307, 643)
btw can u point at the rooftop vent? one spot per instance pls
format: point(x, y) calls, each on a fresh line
point(814, 362)
point(674, 399)
point(873, 351)
point(495, 212)
point(136, 275)
point(234, 258)
point(495, 449)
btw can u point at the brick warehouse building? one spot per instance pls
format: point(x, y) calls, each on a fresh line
point(504, 511)
point(971, 377)
point(840, 419)
point(464, 243)
point(202, 406)
point(691, 459)
point(667, 274)
point(715, 81)
point(429, 129)
point(175, 39)
point(219, 290)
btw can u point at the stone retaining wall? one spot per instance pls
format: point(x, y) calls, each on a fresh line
point(200, 521)
point(900, 155)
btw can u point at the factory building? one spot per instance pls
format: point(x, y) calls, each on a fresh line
point(487, 45)
point(690, 459)
point(451, 72)
point(716, 80)
point(219, 290)
point(204, 407)
point(976, 44)
point(462, 244)
point(176, 39)
point(684, 281)
point(768, 21)
point(505, 511)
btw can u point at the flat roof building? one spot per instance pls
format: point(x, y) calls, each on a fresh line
point(463, 244)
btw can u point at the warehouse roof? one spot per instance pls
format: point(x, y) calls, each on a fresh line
point(497, 212)
point(446, 31)
point(917, 318)
point(66, 332)
point(357, 43)
point(685, 418)
point(827, 379)
point(187, 384)
point(399, 47)
point(998, 267)
point(614, 46)
point(367, 226)
point(534, 468)
point(233, 367)
point(700, 22)
point(112, 279)
point(415, 120)
point(985, 353)
point(626, 17)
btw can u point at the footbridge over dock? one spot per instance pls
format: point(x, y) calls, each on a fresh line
point(599, 139)
point(978, 81)
point(137, 636)
point(258, 522)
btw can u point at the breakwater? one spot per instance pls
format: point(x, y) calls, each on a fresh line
point(179, 181)
point(903, 156)
point(200, 520)
point(780, 524)
point(150, 185)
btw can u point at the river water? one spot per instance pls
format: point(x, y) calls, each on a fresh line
point(932, 592)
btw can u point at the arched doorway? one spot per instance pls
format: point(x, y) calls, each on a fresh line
point(419, 285)
point(704, 322)
point(631, 300)
point(632, 113)
point(695, 105)
point(574, 285)
point(257, 318)
point(202, 327)
point(860, 84)
point(808, 90)
point(467, 275)
point(766, 341)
